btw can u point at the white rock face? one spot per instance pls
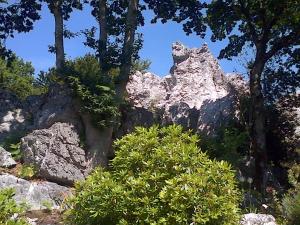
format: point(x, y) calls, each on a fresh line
point(197, 77)
point(257, 219)
point(196, 94)
point(6, 160)
point(35, 194)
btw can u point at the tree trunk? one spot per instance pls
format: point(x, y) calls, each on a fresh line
point(59, 35)
point(126, 61)
point(257, 122)
point(103, 36)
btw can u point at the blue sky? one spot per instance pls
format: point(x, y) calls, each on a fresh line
point(158, 39)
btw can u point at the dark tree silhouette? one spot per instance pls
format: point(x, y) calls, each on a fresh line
point(272, 28)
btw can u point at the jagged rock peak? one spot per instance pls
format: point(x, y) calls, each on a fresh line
point(195, 94)
point(180, 52)
point(199, 62)
point(195, 77)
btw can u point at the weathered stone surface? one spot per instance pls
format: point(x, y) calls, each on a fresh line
point(12, 116)
point(197, 94)
point(35, 194)
point(98, 143)
point(6, 160)
point(56, 153)
point(58, 105)
point(257, 219)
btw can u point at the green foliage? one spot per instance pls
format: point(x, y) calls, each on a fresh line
point(86, 69)
point(16, 16)
point(12, 144)
point(94, 90)
point(8, 207)
point(48, 205)
point(230, 144)
point(141, 65)
point(18, 77)
point(159, 176)
point(291, 207)
point(255, 23)
point(15, 150)
point(291, 201)
point(27, 171)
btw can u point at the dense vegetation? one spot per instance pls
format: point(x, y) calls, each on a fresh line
point(159, 176)
point(94, 90)
point(17, 76)
point(9, 209)
point(144, 183)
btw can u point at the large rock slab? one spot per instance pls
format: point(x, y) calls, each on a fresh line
point(35, 194)
point(196, 94)
point(6, 160)
point(56, 153)
point(257, 219)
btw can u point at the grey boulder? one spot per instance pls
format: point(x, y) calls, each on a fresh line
point(56, 153)
point(37, 195)
point(257, 219)
point(6, 160)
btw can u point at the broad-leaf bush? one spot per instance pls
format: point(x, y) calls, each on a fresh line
point(159, 176)
point(8, 208)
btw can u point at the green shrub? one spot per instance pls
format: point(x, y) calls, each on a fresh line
point(15, 150)
point(8, 208)
point(18, 77)
point(230, 145)
point(159, 176)
point(27, 171)
point(94, 90)
point(291, 201)
point(291, 207)
point(12, 144)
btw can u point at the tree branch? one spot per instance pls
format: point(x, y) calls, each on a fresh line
point(283, 42)
point(249, 22)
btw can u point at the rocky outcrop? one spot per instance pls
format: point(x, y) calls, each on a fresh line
point(56, 153)
point(197, 94)
point(37, 114)
point(58, 105)
point(257, 219)
point(6, 160)
point(37, 195)
point(14, 120)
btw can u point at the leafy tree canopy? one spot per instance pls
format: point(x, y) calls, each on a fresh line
point(18, 16)
point(17, 76)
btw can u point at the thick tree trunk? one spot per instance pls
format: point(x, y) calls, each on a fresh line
point(257, 122)
point(103, 36)
point(59, 35)
point(126, 63)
